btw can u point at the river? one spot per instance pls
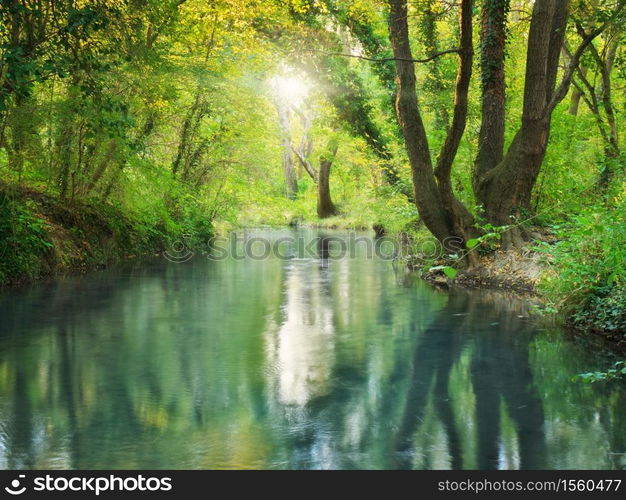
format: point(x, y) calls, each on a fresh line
point(298, 361)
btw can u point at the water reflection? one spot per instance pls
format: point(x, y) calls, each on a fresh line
point(305, 363)
point(302, 348)
point(500, 379)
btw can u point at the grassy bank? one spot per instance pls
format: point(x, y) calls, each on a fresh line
point(585, 277)
point(576, 266)
point(42, 235)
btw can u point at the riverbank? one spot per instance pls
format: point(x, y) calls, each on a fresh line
point(518, 271)
point(597, 314)
point(43, 236)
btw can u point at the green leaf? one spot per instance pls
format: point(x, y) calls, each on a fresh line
point(472, 243)
point(450, 272)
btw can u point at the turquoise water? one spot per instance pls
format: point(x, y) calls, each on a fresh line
point(305, 362)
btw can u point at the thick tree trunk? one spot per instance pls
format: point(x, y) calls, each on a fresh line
point(425, 189)
point(492, 44)
point(325, 205)
point(445, 217)
point(505, 190)
point(434, 79)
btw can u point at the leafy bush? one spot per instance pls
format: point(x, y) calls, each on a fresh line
point(23, 239)
point(587, 280)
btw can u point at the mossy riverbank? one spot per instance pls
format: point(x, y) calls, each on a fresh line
point(42, 235)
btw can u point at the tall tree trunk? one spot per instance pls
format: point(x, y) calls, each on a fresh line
point(291, 181)
point(492, 54)
point(505, 191)
point(434, 79)
point(445, 217)
point(325, 205)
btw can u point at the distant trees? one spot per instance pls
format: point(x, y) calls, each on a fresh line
point(304, 153)
point(106, 98)
point(593, 83)
point(291, 182)
point(321, 177)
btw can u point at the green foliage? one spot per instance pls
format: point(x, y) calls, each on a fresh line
point(472, 242)
point(616, 372)
point(449, 271)
point(23, 239)
point(587, 278)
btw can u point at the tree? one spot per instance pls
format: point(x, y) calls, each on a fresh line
point(325, 206)
point(503, 183)
point(599, 97)
point(504, 187)
point(446, 218)
point(291, 181)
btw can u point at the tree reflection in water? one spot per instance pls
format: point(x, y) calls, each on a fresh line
point(500, 373)
point(305, 363)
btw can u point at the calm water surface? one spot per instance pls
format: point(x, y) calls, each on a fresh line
point(298, 363)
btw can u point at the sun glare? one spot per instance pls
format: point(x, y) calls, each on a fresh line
point(291, 88)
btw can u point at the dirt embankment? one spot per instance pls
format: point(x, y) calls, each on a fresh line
point(41, 235)
point(517, 273)
point(515, 270)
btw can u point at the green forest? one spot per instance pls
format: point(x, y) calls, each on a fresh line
point(492, 128)
point(438, 188)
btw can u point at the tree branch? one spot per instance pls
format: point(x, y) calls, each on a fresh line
point(561, 92)
point(306, 164)
point(459, 120)
point(388, 59)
